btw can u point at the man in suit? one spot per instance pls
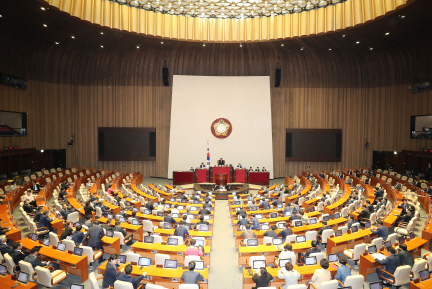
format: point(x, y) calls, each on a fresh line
point(265, 204)
point(294, 217)
point(117, 228)
point(255, 222)
point(202, 166)
point(150, 207)
point(405, 218)
point(243, 221)
point(204, 211)
point(45, 221)
point(28, 208)
point(391, 263)
point(221, 162)
point(35, 261)
point(381, 231)
point(312, 250)
point(126, 277)
point(239, 166)
point(364, 214)
point(65, 211)
point(370, 206)
point(78, 236)
point(241, 211)
point(168, 218)
point(201, 222)
point(111, 273)
point(250, 169)
point(405, 256)
point(4, 247)
point(272, 232)
point(35, 187)
point(404, 206)
point(191, 277)
point(248, 233)
point(95, 235)
point(285, 232)
point(17, 254)
point(181, 231)
point(38, 214)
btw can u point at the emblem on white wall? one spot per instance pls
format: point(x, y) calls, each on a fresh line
point(221, 128)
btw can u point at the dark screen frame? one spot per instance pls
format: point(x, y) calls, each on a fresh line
point(288, 139)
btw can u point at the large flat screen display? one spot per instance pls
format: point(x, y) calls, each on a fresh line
point(127, 144)
point(313, 145)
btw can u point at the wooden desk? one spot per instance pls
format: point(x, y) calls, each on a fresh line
point(111, 245)
point(421, 285)
point(270, 252)
point(391, 218)
point(56, 223)
point(192, 233)
point(73, 264)
point(175, 252)
point(368, 264)
point(7, 282)
point(7, 221)
point(306, 273)
point(338, 244)
point(169, 278)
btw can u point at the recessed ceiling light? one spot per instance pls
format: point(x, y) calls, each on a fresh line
point(1, 16)
point(302, 48)
point(387, 33)
point(343, 35)
point(101, 46)
point(357, 42)
point(57, 42)
point(329, 48)
point(241, 45)
point(44, 25)
point(101, 32)
point(43, 8)
point(370, 48)
point(137, 46)
point(402, 16)
point(73, 37)
point(203, 44)
point(161, 42)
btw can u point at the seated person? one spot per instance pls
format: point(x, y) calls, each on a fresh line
point(351, 222)
point(257, 169)
point(404, 206)
point(29, 209)
point(181, 231)
point(391, 263)
point(204, 211)
point(192, 250)
point(30, 197)
point(117, 228)
point(322, 230)
point(65, 211)
point(263, 169)
point(405, 256)
point(168, 218)
point(322, 274)
point(243, 221)
point(406, 217)
point(287, 252)
point(272, 233)
point(343, 270)
point(126, 277)
point(290, 275)
point(262, 278)
point(239, 166)
point(201, 222)
point(45, 221)
point(191, 277)
point(33, 259)
point(382, 231)
point(287, 231)
point(241, 211)
point(192, 169)
point(68, 231)
point(248, 233)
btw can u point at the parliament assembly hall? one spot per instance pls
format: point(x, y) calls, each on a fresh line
point(215, 144)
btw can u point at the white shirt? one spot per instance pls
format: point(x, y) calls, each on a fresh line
point(175, 211)
point(291, 277)
point(320, 275)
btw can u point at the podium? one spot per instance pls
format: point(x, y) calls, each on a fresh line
point(229, 171)
point(221, 179)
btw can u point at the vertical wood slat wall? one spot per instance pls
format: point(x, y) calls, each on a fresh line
point(71, 92)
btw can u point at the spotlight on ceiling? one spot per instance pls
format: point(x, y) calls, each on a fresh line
point(43, 8)
point(357, 42)
point(387, 33)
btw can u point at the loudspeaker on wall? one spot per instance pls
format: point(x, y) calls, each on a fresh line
point(278, 77)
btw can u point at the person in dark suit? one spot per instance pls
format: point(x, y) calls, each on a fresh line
point(68, 231)
point(181, 231)
point(17, 254)
point(204, 211)
point(150, 207)
point(111, 273)
point(405, 256)
point(78, 236)
point(38, 214)
point(404, 206)
point(272, 232)
point(405, 218)
point(4, 247)
point(168, 218)
point(287, 231)
point(126, 277)
point(201, 222)
point(262, 278)
point(381, 231)
point(29, 209)
point(243, 221)
point(312, 250)
point(95, 235)
point(350, 222)
point(364, 214)
point(45, 221)
point(117, 228)
point(391, 263)
point(65, 211)
point(370, 206)
point(35, 261)
point(88, 210)
point(242, 211)
point(35, 187)
point(221, 162)
point(239, 166)
point(202, 166)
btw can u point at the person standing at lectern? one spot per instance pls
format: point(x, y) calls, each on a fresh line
point(202, 166)
point(221, 162)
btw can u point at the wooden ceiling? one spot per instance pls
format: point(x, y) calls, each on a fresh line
point(26, 18)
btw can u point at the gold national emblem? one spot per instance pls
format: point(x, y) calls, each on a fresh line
point(221, 128)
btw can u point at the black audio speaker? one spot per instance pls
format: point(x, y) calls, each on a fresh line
point(165, 76)
point(278, 77)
